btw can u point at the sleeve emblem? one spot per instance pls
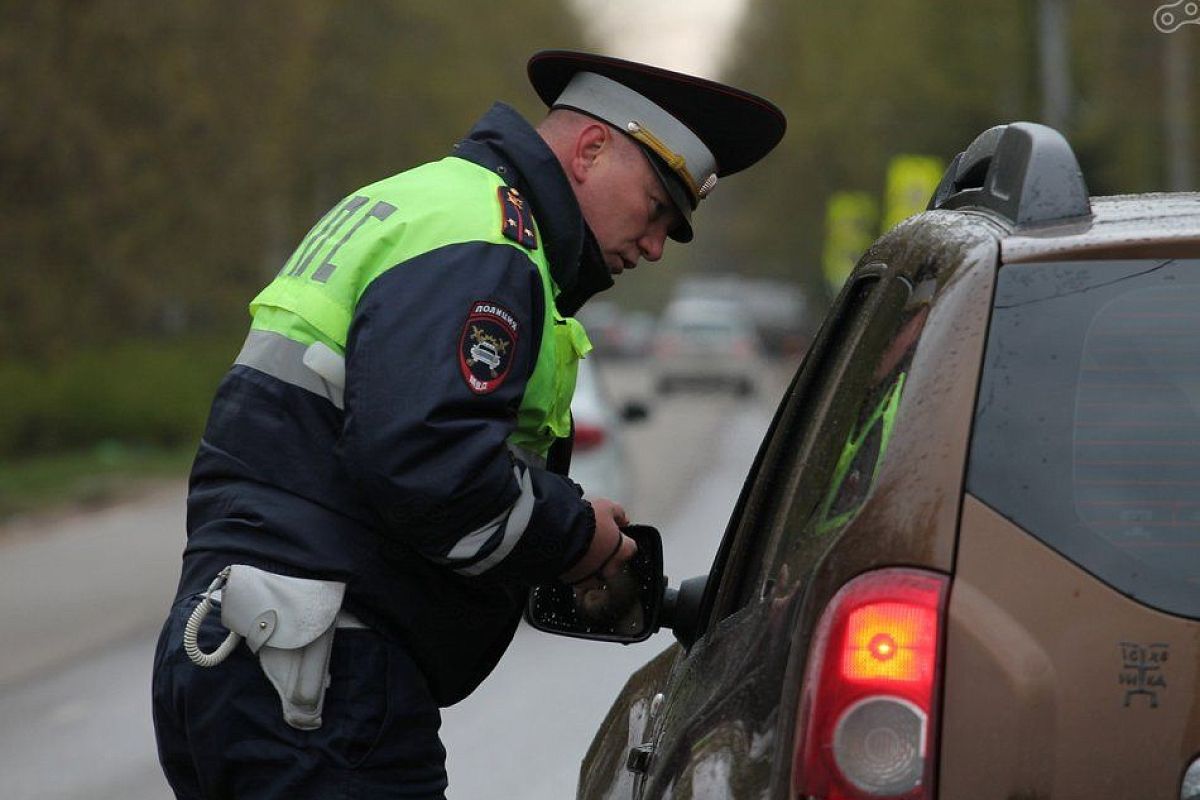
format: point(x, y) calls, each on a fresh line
point(516, 222)
point(487, 346)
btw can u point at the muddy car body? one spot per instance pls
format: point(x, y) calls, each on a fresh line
point(966, 561)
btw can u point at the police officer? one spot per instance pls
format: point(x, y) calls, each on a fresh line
point(383, 472)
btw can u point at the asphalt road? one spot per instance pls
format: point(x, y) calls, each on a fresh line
point(82, 597)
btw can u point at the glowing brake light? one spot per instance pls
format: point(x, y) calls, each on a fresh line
point(890, 642)
point(588, 437)
point(868, 704)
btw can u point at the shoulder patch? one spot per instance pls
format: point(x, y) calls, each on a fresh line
point(487, 346)
point(516, 222)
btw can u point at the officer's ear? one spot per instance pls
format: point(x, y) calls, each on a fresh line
point(591, 145)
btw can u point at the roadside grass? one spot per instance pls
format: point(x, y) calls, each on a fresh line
point(97, 477)
point(142, 393)
point(93, 426)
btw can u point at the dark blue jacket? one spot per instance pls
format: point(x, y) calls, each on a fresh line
point(377, 494)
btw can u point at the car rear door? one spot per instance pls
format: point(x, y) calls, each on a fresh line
point(1073, 646)
point(713, 731)
point(862, 469)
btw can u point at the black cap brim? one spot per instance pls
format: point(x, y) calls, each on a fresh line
point(738, 127)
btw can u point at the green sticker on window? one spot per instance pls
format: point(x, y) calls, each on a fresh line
point(858, 465)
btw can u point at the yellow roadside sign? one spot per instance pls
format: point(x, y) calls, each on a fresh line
point(850, 220)
point(910, 183)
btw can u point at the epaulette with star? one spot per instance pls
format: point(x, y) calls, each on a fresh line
point(516, 222)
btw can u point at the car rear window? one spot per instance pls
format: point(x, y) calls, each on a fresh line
point(1087, 427)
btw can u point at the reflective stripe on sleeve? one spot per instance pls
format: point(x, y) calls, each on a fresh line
point(295, 363)
point(527, 457)
point(517, 520)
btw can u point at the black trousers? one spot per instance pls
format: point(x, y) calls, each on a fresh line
point(221, 733)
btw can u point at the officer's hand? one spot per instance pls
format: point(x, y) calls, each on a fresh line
point(609, 550)
point(613, 605)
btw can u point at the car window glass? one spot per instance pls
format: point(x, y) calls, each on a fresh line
point(739, 561)
point(859, 460)
point(1087, 430)
point(878, 399)
point(792, 442)
point(849, 441)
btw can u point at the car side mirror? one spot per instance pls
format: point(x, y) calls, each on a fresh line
point(682, 609)
point(650, 604)
point(626, 611)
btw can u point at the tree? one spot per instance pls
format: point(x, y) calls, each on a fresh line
point(862, 81)
point(159, 160)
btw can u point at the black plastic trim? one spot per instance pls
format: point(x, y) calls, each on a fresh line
point(1022, 171)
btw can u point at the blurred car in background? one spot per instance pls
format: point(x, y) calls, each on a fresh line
point(599, 462)
point(782, 314)
point(616, 333)
point(638, 334)
point(965, 563)
point(705, 343)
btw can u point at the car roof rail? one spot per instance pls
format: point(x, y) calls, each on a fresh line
point(1023, 171)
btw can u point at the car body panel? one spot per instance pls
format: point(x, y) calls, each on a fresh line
point(1119, 225)
point(726, 727)
point(631, 721)
point(1056, 684)
point(911, 515)
point(924, 293)
point(717, 729)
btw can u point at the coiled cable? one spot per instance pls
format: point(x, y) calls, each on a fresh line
point(192, 629)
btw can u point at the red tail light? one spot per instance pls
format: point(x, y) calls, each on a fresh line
point(868, 705)
point(588, 437)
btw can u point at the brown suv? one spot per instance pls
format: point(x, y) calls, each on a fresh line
point(966, 562)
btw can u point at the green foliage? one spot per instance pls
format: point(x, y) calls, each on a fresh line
point(1117, 129)
point(159, 160)
point(862, 81)
point(99, 475)
point(149, 393)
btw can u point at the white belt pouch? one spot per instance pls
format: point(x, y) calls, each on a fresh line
point(288, 622)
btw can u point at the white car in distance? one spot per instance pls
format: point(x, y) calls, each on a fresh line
point(707, 342)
